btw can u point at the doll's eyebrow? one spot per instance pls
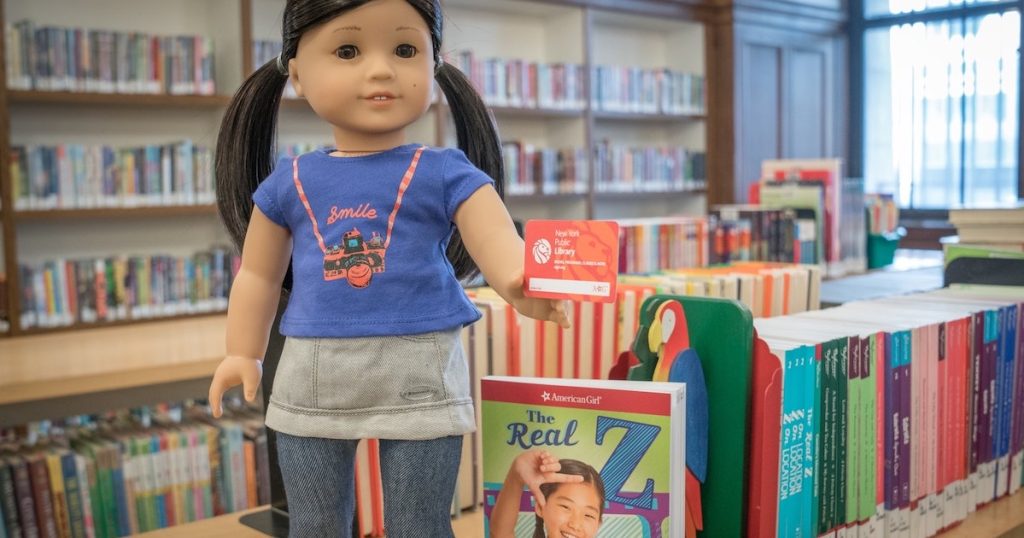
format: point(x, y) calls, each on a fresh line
point(356, 28)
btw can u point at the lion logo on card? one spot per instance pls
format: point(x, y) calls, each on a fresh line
point(541, 251)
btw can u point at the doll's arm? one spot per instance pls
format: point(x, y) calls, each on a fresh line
point(251, 308)
point(491, 240)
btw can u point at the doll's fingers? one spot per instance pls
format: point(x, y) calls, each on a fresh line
point(558, 314)
point(216, 391)
point(250, 382)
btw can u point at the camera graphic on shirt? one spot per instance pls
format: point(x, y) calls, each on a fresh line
point(355, 260)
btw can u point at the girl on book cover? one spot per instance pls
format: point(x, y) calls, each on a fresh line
point(568, 497)
point(372, 345)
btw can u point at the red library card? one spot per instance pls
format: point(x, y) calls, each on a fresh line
point(571, 259)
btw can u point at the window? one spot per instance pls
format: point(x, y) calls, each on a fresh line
point(941, 97)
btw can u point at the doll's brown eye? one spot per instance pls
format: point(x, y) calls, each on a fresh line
point(347, 52)
point(405, 50)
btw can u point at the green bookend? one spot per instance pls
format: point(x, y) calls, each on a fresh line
point(722, 333)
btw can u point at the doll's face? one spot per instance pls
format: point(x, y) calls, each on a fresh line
point(368, 72)
point(572, 511)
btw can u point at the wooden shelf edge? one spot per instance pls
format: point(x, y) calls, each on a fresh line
point(641, 116)
point(115, 212)
point(75, 386)
point(114, 99)
point(80, 362)
point(79, 327)
point(994, 519)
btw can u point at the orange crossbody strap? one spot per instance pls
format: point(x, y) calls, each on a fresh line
point(406, 179)
point(401, 192)
point(305, 202)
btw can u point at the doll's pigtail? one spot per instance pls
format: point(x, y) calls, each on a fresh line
point(478, 139)
point(246, 145)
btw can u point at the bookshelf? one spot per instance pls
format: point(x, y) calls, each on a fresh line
point(546, 33)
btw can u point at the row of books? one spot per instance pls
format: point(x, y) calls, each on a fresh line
point(54, 58)
point(655, 244)
point(77, 176)
point(647, 169)
point(819, 193)
point(745, 232)
point(63, 292)
point(892, 417)
point(524, 84)
point(127, 472)
point(883, 213)
point(266, 50)
point(533, 170)
point(647, 91)
point(602, 331)
point(504, 343)
point(999, 227)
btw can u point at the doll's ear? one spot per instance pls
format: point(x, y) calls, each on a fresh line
point(293, 75)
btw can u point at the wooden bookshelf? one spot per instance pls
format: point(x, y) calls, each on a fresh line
point(545, 198)
point(645, 195)
point(643, 117)
point(81, 362)
point(115, 323)
point(116, 212)
point(540, 113)
point(1001, 518)
point(115, 99)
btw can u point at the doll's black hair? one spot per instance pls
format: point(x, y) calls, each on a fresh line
point(246, 143)
point(573, 467)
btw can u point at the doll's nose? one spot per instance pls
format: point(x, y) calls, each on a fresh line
point(380, 68)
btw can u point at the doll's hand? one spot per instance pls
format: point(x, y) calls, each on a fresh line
point(232, 371)
point(543, 309)
point(536, 467)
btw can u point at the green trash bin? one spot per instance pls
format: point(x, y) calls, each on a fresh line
point(882, 248)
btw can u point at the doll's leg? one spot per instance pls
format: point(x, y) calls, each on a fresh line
point(419, 483)
point(319, 482)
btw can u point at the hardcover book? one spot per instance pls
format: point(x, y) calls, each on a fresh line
point(624, 438)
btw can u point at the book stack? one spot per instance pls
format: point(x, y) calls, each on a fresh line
point(647, 169)
point(883, 213)
point(899, 416)
point(76, 176)
point(523, 84)
point(54, 58)
point(747, 232)
point(63, 292)
point(646, 91)
point(533, 170)
point(987, 233)
point(651, 245)
point(819, 193)
point(129, 472)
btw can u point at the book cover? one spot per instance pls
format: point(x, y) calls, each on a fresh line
point(625, 439)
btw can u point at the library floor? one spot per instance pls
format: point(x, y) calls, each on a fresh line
point(1001, 519)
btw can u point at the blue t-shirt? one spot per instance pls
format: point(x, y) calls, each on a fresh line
point(359, 288)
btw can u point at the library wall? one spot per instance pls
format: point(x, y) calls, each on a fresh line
point(784, 93)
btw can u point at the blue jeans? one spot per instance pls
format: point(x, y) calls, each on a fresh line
point(418, 479)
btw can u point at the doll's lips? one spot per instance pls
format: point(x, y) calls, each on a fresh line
point(381, 97)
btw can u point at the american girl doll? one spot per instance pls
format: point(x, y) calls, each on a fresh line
point(568, 497)
point(378, 233)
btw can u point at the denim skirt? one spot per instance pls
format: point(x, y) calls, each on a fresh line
point(408, 387)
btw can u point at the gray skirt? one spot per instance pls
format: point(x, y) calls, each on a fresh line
point(408, 387)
